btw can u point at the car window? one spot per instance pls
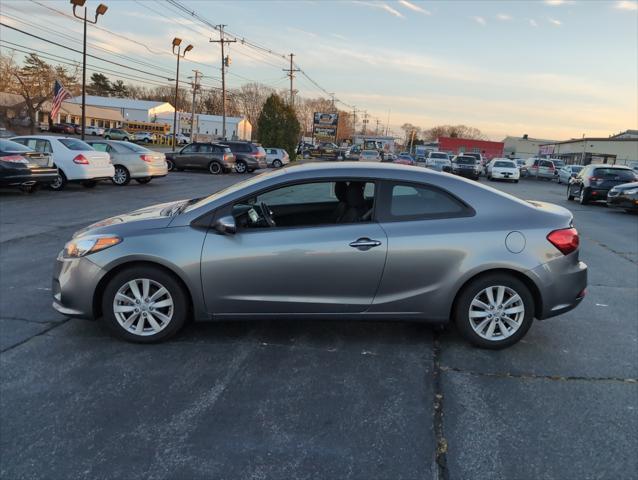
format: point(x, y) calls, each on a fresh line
point(192, 148)
point(401, 201)
point(205, 148)
point(13, 146)
point(101, 147)
point(73, 144)
point(466, 160)
point(615, 174)
point(309, 204)
point(504, 164)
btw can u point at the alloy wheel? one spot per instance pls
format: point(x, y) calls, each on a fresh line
point(277, 164)
point(143, 307)
point(121, 176)
point(496, 313)
point(240, 167)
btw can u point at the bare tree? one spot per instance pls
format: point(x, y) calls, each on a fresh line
point(459, 131)
point(250, 99)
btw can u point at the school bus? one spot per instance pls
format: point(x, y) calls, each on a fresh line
point(160, 129)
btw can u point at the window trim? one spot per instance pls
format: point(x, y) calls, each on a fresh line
point(227, 208)
point(384, 215)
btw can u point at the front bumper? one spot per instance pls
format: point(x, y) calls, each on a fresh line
point(468, 173)
point(73, 286)
point(562, 283)
point(629, 202)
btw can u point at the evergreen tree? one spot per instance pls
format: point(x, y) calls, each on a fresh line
point(100, 85)
point(278, 125)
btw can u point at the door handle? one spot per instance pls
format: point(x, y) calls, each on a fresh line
point(364, 243)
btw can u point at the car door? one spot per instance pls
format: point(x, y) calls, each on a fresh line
point(185, 157)
point(203, 156)
point(427, 231)
point(323, 267)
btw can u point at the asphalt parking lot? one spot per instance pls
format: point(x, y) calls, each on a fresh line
point(310, 399)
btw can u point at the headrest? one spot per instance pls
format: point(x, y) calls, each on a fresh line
point(340, 191)
point(354, 195)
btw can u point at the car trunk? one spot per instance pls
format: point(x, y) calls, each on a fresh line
point(38, 158)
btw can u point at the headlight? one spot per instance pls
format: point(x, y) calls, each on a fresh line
point(82, 246)
point(633, 191)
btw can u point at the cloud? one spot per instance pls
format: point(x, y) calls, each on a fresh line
point(553, 21)
point(480, 20)
point(533, 23)
point(414, 7)
point(504, 17)
point(303, 32)
point(382, 6)
point(339, 36)
point(626, 5)
point(556, 3)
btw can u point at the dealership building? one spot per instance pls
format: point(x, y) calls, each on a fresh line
point(620, 149)
point(523, 147)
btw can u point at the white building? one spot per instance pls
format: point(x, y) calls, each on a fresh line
point(583, 151)
point(130, 109)
point(523, 147)
point(237, 128)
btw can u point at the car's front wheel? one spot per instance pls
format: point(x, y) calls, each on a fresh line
point(144, 305)
point(122, 176)
point(583, 196)
point(277, 163)
point(570, 194)
point(170, 166)
point(494, 311)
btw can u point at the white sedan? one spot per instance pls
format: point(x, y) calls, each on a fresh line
point(76, 160)
point(503, 169)
point(95, 131)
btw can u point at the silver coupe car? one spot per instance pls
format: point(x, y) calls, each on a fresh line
point(329, 241)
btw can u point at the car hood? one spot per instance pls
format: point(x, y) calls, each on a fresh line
point(153, 216)
point(626, 186)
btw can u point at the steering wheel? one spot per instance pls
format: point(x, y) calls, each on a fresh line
point(267, 214)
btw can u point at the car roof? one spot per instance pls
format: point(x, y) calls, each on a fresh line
point(47, 137)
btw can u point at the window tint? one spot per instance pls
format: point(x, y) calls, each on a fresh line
point(73, 144)
point(205, 148)
point(100, 147)
point(615, 174)
point(546, 163)
point(410, 201)
point(303, 193)
point(192, 148)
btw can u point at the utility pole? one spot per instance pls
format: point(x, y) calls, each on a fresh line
point(195, 88)
point(354, 120)
point(376, 131)
point(332, 99)
point(291, 74)
point(387, 125)
point(225, 63)
point(365, 122)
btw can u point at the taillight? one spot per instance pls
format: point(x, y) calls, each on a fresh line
point(565, 239)
point(81, 160)
point(147, 158)
point(228, 157)
point(14, 159)
point(593, 179)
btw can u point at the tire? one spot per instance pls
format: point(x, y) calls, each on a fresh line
point(489, 177)
point(146, 140)
point(559, 182)
point(59, 184)
point(175, 312)
point(306, 155)
point(241, 167)
point(122, 176)
point(125, 139)
point(144, 180)
point(570, 195)
point(106, 137)
point(277, 163)
point(170, 166)
point(583, 197)
point(89, 183)
point(515, 181)
point(504, 333)
point(215, 168)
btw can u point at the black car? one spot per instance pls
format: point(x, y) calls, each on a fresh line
point(248, 156)
point(214, 157)
point(594, 182)
point(325, 150)
point(466, 166)
point(25, 168)
point(624, 196)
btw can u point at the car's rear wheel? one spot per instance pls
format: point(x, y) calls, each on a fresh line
point(144, 180)
point(570, 194)
point(277, 163)
point(122, 176)
point(170, 166)
point(215, 168)
point(241, 167)
point(107, 137)
point(583, 196)
point(59, 182)
point(144, 305)
point(125, 139)
point(494, 311)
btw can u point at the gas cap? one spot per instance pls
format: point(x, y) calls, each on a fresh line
point(515, 242)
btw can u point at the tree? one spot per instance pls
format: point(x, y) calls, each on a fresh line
point(119, 89)
point(411, 132)
point(250, 100)
point(100, 85)
point(278, 125)
point(455, 131)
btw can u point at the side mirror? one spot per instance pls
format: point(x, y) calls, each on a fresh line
point(226, 225)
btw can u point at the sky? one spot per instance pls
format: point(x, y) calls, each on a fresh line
point(552, 69)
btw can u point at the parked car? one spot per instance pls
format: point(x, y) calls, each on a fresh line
point(23, 167)
point(303, 146)
point(214, 157)
point(248, 156)
point(522, 168)
point(439, 161)
point(180, 138)
point(62, 128)
point(327, 150)
point(503, 169)
point(594, 182)
point(405, 156)
point(277, 157)
point(567, 172)
point(4, 133)
point(403, 160)
point(118, 134)
point(388, 157)
point(132, 161)
point(353, 153)
point(479, 157)
point(387, 241)
point(369, 156)
point(146, 137)
point(95, 131)
point(466, 166)
point(76, 160)
point(624, 196)
point(540, 168)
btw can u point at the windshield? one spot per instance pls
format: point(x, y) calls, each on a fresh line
point(505, 164)
point(615, 173)
point(73, 144)
point(438, 155)
point(9, 146)
point(466, 160)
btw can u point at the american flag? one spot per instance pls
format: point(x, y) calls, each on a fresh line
point(60, 94)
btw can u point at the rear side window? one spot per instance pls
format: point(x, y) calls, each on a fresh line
point(76, 145)
point(409, 201)
point(546, 163)
point(101, 147)
point(205, 148)
point(615, 174)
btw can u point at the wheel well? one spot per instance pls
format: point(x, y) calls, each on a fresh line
point(99, 290)
point(536, 294)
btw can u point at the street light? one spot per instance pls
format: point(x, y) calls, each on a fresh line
point(177, 45)
point(100, 10)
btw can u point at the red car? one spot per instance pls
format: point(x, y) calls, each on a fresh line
point(62, 128)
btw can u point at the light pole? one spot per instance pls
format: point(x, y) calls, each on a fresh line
point(100, 10)
point(177, 42)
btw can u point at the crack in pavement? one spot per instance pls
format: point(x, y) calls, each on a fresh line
point(441, 441)
point(55, 325)
point(622, 255)
point(534, 376)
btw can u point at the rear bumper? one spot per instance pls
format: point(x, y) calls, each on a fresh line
point(150, 171)
point(44, 176)
point(95, 173)
point(505, 175)
point(562, 283)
